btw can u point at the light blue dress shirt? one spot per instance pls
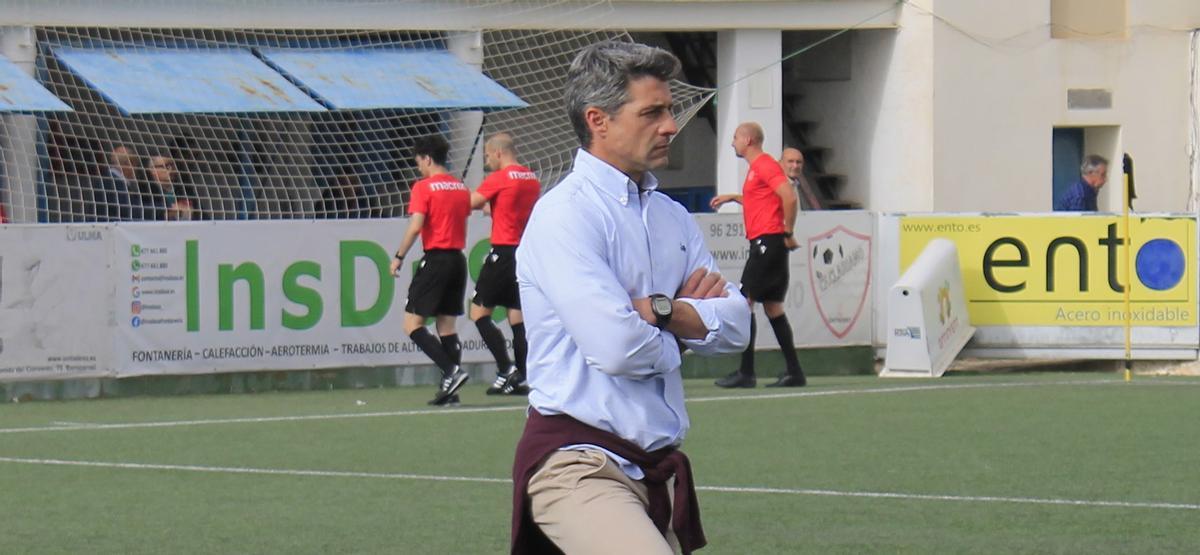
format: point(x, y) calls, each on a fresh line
point(593, 243)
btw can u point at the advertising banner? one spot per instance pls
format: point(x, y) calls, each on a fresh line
point(828, 301)
point(1067, 271)
point(278, 295)
point(1053, 285)
point(55, 309)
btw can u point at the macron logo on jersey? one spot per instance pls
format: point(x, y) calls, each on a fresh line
point(522, 175)
point(447, 186)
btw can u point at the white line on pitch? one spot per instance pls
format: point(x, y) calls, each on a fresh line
point(715, 489)
point(452, 411)
point(174, 423)
point(245, 470)
point(899, 389)
point(960, 498)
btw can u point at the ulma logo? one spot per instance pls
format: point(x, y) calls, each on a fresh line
point(840, 275)
point(943, 297)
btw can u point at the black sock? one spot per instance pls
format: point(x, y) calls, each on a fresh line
point(520, 347)
point(432, 349)
point(495, 343)
point(783, 333)
point(747, 368)
point(453, 347)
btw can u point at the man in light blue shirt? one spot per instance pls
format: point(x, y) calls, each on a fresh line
point(614, 276)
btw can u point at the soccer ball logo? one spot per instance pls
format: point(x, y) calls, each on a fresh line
point(839, 273)
point(825, 259)
point(943, 297)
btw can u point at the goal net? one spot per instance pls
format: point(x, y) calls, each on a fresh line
point(105, 156)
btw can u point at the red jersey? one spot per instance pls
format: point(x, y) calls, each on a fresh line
point(446, 203)
point(512, 191)
point(761, 207)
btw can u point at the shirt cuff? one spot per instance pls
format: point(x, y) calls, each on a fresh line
point(708, 316)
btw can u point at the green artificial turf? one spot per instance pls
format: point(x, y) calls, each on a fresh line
point(850, 464)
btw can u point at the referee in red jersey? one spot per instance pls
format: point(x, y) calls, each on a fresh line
point(770, 206)
point(438, 208)
point(510, 191)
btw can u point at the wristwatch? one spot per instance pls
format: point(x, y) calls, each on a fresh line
point(661, 306)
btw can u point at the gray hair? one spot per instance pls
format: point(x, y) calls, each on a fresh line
point(600, 75)
point(1091, 163)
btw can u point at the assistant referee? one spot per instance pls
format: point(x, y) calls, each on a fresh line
point(438, 210)
point(770, 206)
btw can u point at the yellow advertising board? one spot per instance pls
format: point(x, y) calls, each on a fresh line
point(1067, 270)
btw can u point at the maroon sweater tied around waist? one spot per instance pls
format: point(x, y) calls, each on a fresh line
point(546, 434)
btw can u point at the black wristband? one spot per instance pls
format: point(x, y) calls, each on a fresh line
point(398, 256)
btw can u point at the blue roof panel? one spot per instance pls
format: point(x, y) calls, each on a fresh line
point(176, 80)
point(21, 93)
point(391, 78)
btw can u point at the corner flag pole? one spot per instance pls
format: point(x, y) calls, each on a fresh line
point(1128, 283)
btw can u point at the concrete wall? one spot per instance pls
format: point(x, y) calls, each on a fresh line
point(1000, 84)
point(879, 124)
point(954, 111)
point(692, 160)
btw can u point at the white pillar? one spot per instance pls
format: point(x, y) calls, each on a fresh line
point(464, 126)
point(20, 134)
point(749, 59)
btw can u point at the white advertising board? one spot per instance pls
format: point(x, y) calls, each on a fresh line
point(828, 301)
point(138, 298)
point(1052, 285)
point(55, 316)
point(279, 295)
point(927, 314)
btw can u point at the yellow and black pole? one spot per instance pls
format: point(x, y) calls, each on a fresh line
point(1126, 201)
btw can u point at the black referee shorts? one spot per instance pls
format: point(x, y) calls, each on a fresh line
point(438, 287)
point(765, 278)
point(497, 285)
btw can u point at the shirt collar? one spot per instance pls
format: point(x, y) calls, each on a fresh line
point(609, 179)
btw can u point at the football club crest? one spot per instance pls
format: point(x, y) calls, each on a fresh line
point(839, 272)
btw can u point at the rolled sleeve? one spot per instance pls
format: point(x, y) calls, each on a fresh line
point(727, 320)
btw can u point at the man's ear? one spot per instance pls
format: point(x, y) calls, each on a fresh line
point(596, 119)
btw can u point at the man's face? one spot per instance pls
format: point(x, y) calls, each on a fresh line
point(424, 164)
point(793, 162)
point(1097, 177)
point(740, 142)
point(162, 169)
point(122, 159)
point(491, 158)
point(637, 138)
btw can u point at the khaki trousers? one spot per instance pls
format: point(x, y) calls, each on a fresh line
point(584, 503)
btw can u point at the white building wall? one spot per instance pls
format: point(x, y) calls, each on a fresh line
point(1000, 84)
point(692, 163)
point(954, 110)
point(879, 124)
point(750, 90)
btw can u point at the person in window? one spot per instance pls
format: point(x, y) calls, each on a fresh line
point(1081, 197)
point(165, 199)
point(792, 161)
point(115, 191)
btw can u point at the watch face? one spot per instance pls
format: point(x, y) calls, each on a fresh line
point(662, 305)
